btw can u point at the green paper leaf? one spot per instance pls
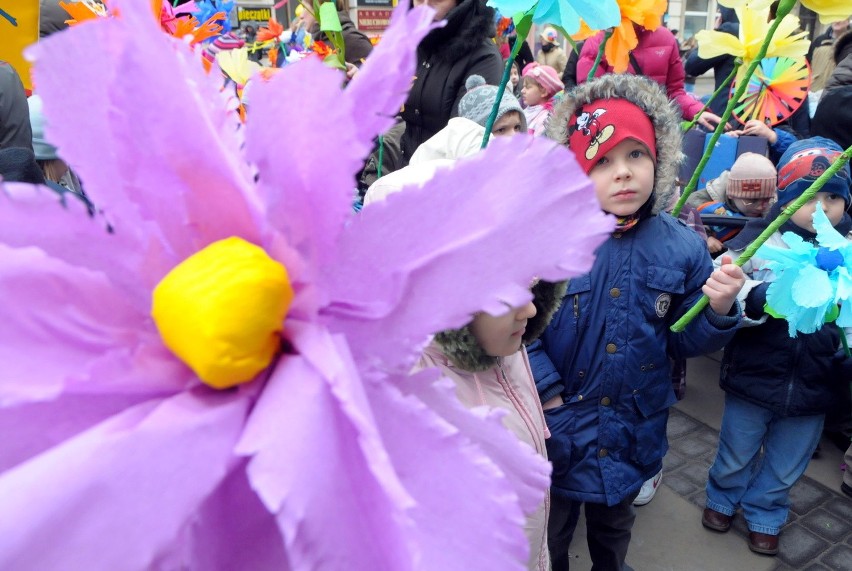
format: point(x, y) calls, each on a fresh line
point(333, 60)
point(832, 314)
point(328, 18)
point(772, 312)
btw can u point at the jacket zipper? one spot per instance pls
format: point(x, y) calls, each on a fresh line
point(791, 382)
point(522, 410)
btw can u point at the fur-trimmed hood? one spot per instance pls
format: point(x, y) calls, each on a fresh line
point(462, 349)
point(649, 97)
point(468, 25)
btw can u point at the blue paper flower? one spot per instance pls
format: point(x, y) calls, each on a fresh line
point(811, 280)
point(598, 14)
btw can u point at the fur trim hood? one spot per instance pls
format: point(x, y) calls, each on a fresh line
point(469, 24)
point(462, 349)
point(648, 96)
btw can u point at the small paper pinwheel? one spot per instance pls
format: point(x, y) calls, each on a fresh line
point(811, 279)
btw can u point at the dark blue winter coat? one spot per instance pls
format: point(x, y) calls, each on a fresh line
point(607, 352)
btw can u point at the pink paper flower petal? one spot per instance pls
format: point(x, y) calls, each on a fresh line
point(471, 239)
point(182, 169)
point(322, 480)
point(36, 216)
point(62, 319)
point(231, 530)
point(116, 496)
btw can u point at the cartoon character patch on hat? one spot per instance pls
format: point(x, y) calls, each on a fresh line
point(597, 127)
point(588, 124)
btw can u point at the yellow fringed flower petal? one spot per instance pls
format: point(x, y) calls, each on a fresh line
point(222, 309)
point(829, 10)
point(712, 44)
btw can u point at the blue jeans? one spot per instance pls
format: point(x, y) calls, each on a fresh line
point(760, 484)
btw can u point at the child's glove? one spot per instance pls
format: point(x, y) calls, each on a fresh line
point(756, 300)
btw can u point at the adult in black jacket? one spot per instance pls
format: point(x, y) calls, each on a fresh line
point(721, 65)
point(446, 58)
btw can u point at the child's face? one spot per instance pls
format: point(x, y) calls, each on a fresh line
point(532, 93)
point(752, 208)
point(501, 336)
point(832, 204)
point(624, 178)
point(507, 125)
point(514, 76)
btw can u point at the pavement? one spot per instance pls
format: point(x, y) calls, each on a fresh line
point(668, 534)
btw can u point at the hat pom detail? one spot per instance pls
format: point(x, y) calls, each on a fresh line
point(474, 81)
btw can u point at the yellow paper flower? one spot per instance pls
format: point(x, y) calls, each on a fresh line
point(829, 10)
point(754, 28)
point(237, 65)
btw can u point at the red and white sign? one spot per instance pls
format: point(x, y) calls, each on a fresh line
point(373, 20)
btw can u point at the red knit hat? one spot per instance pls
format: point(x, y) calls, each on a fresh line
point(597, 127)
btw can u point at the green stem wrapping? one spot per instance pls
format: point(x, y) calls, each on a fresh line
point(725, 85)
point(521, 26)
point(844, 341)
point(599, 57)
point(742, 84)
point(381, 156)
point(773, 227)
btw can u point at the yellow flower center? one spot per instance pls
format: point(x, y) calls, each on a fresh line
point(221, 311)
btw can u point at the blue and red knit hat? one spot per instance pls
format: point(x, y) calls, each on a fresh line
point(803, 162)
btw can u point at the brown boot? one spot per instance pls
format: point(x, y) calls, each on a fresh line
point(763, 543)
point(717, 521)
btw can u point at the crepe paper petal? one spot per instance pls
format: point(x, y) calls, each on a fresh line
point(66, 232)
point(62, 318)
point(445, 473)
point(231, 530)
point(829, 11)
point(205, 171)
point(317, 481)
point(528, 472)
point(565, 14)
point(812, 288)
point(38, 426)
point(115, 496)
point(443, 257)
point(237, 65)
point(827, 236)
point(391, 64)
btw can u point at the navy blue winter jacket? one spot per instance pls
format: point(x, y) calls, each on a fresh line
point(606, 351)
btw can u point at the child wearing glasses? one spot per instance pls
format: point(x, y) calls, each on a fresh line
point(747, 190)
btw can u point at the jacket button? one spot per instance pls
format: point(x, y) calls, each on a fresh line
point(603, 453)
point(611, 348)
point(579, 397)
point(617, 235)
point(606, 401)
point(581, 374)
point(417, 111)
point(615, 292)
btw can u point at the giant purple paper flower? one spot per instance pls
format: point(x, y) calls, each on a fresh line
point(116, 456)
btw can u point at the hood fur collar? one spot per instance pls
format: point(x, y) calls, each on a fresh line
point(468, 24)
point(461, 348)
point(649, 97)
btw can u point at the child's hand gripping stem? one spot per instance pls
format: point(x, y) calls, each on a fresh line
point(723, 285)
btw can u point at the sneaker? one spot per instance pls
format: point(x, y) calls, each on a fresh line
point(649, 489)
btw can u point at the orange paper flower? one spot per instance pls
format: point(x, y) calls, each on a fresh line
point(82, 11)
point(645, 13)
point(321, 49)
point(271, 33)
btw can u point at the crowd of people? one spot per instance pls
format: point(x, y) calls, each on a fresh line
point(585, 371)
